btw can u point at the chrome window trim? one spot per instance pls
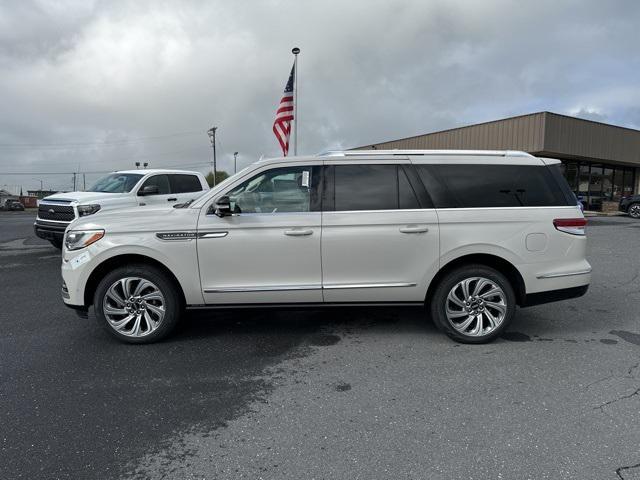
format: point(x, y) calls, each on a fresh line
point(453, 209)
point(262, 213)
point(388, 210)
point(569, 274)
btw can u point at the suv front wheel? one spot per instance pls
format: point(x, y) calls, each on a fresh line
point(137, 304)
point(473, 304)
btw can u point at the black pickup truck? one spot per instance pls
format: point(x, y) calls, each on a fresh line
point(630, 205)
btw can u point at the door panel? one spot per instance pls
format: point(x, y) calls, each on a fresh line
point(163, 195)
point(269, 250)
point(384, 256)
point(384, 244)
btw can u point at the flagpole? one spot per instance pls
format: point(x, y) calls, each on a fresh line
point(295, 52)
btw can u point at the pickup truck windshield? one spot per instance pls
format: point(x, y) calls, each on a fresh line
point(116, 183)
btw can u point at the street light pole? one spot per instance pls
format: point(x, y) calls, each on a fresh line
point(235, 164)
point(212, 136)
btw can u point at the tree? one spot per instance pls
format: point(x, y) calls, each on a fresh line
point(220, 176)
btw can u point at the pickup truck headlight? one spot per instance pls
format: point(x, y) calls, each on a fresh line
point(84, 210)
point(77, 239)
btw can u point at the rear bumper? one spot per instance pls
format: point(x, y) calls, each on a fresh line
point(540, 298)
point(49, 230)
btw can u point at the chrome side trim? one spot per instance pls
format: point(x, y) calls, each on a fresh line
point(312, 286)
point(569, 274)
point(212, 234)
point(266, 288)
point(337, 286)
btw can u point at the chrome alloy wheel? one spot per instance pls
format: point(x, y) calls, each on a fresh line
point(134, 306)
point(476, 306)
point(634, 210)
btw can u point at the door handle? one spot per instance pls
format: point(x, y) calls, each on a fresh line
point(172, 199)
point(298, 233)
point(414, 229)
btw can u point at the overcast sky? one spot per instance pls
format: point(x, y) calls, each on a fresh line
point(95, 86)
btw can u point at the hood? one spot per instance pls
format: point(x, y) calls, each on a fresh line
point(138, 219)
point(80, 197)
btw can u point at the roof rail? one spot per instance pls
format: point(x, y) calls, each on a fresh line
point(356, 153)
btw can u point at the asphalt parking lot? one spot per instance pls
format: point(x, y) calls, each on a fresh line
point(335, 394)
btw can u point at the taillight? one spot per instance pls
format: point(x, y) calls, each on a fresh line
point(574, 226)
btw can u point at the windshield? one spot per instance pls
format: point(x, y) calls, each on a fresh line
point(116, 183)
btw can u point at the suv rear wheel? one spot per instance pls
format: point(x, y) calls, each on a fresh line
point(137, 304)
point(634, 210)
point(473, 304)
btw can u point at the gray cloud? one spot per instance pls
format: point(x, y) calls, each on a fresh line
point(119, 72)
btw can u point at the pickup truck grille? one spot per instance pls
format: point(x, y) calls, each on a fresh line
point(61, 213)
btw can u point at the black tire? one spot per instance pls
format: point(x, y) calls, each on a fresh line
point(57, 243)
point(439, 302)
point(162, 282)
point(634, 210)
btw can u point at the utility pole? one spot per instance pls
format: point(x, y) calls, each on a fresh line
point(212, 136)
point(84, 182)
point(295, 52)
point(235, 164)
point(74, 181)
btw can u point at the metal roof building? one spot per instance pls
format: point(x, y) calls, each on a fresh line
point(601, 161)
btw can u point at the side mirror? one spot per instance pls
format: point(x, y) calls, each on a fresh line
point(149, 190)
point(223, 206)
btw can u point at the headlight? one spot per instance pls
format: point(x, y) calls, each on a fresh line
point(77, 239)
point(84, 210)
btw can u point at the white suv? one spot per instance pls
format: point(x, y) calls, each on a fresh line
point(122, 189)
point(471, 234)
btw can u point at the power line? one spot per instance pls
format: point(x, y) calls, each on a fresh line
point(96, 144)
point(105, 171)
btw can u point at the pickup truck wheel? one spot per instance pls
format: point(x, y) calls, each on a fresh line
point(473, 304)
point(137, 304)
point(634, 210)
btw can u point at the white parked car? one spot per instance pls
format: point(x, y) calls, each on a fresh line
point(471, 235)
point(117, 190)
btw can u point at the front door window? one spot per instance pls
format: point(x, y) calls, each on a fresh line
point(279, 190)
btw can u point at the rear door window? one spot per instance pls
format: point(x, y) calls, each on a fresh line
point(183, 183)
point(372, 187)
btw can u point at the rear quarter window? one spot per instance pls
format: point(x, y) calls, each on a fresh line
point(478, 186)
point(185, 183)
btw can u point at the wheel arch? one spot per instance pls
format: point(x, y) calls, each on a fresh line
point(117, 261)
point(494, 261)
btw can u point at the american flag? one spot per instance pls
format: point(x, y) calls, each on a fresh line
point(284, 114)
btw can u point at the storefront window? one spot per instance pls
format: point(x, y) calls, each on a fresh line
point(595, 188)
point(617, 183)
point(628, 181)
point(607, 184)
point(594, 183)
point(571, 174)
point(583, 184)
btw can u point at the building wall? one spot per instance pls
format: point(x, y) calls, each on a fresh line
point(574, 137)
point(518, 133)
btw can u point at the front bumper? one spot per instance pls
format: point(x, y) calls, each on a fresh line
point(50, 230)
